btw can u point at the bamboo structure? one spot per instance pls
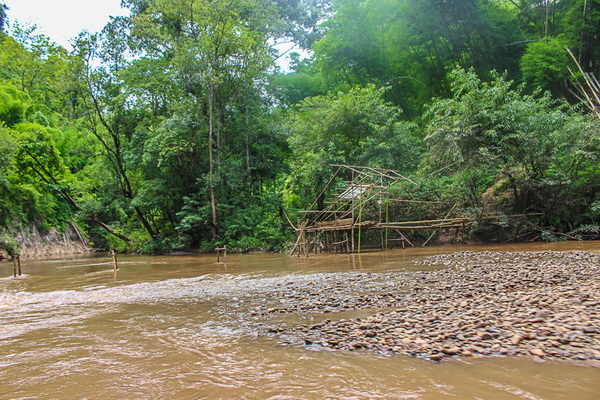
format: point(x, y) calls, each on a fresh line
point(357, 205)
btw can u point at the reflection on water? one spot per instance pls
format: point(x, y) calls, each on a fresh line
point(181, 327)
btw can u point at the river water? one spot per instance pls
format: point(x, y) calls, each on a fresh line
point(183, 327)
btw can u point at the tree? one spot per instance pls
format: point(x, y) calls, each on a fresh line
point(548, 27)
point(13, 104)
point(37, 66)
point(303, 81)
point(357, 128)
point(216, 48)
point(8, 147)
point(3, 16)
point(106, 112)
point(545, 65)
point(411, 45)
point(532, 145)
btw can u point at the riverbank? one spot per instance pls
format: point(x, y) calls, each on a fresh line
point(535, 304)
point(30, 242)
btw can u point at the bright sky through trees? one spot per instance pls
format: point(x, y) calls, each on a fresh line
point(62, 20)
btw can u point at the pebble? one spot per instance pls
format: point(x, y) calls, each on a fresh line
point(515, 340)
point(537, 352)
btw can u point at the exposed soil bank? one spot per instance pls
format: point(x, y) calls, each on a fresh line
point(32, 243)
point(542, 304)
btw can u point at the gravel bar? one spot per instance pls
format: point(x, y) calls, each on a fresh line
point(540, 304)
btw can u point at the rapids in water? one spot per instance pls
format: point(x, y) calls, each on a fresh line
point(182, 327)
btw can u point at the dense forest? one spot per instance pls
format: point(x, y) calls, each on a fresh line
point(175, 129)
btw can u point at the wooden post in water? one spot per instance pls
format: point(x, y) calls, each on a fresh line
point(387, 216)
point(360, 211)
point(219, 250)
point(114, 259)
point(19, 263)
point(348, 242)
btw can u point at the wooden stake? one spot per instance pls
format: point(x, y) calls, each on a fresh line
point(224, 250)
point(19, 263)
point(360, 211)
point(347, 242)
point(114, 259)
point(387, 216)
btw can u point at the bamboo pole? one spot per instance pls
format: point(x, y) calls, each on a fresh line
point(420, 201)
point(417, 227)
point(301, 226)
point(347, 242)
point(353, 217)
point(434, 232)
point(403, 238)
point(430, 221)
point(463, 219)
point(380, 204)
point(592, 102)
point(360, 210)
point(387, 215)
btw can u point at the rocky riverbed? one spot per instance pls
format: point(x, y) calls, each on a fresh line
point(540, 304)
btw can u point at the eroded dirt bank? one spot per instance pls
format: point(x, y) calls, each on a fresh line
point(32, 243)
point(541, 304)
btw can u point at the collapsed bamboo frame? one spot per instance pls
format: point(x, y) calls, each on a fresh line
point(343, 214)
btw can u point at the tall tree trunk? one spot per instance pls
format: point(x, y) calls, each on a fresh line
point(213, 203)
point(247, 129)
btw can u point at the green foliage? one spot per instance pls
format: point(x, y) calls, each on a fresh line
point(13, 104)
point(357, 128)
point(545, 65)
point(410, 45)
point(490, 133)
point(258, 226)
point(38, 154)
point(3, 8)
point(36, 66)
point(7, 151)
point(304, 81)
point(9, 245)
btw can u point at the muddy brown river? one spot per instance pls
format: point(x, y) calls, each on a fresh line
point(183, 327)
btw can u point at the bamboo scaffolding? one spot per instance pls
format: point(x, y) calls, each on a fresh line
point(434, 232)
point(421, 201)
point(411, 225)
point(357, 206)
